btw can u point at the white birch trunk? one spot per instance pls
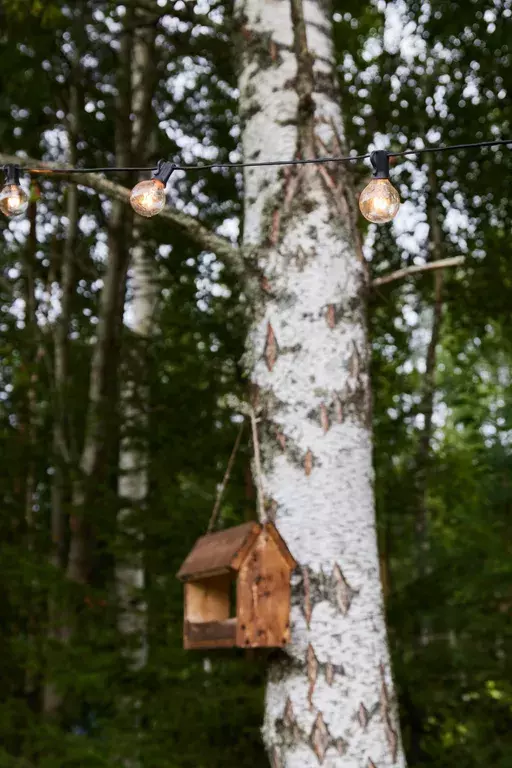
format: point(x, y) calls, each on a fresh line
point(133, 479)
point(330, 699)
point(133, 458)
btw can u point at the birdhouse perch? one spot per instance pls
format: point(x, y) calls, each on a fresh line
point(256, 560)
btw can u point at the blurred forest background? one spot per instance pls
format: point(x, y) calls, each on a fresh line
point(442, 349)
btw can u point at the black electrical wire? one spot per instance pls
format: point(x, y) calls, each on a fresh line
point(264, 163)
point(318, 160)
point(495, 143)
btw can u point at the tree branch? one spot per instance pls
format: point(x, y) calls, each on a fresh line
point(305, 82)
point(454, 261)
point(197, 232)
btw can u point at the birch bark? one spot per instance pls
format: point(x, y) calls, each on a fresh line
point(133, 458)
point(330, 698)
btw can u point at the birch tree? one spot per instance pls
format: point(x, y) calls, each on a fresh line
point(330, 701)
point(133, 459)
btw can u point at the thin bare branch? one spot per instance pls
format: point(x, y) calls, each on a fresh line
point(454, 261)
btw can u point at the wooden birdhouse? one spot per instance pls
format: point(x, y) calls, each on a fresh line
point(237, 589)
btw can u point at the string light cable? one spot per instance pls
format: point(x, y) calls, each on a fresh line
point(379, 201)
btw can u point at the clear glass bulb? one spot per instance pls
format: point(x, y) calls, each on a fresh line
point(379, 201)
point(148, 197)
point(13, 200)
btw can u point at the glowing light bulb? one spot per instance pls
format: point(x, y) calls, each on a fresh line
point(379, 201)
point(13, 199)
point(148, 197)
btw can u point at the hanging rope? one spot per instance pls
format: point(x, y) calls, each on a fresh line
point(257, 466)
point(225, 479)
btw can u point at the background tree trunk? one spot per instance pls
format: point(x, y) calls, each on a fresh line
point(101, 420)
point(133, 459)
point(62, 454)
point(28, 423)
point(429, 385)
point(330, 699)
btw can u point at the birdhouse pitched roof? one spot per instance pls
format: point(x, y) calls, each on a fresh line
point(225, 551)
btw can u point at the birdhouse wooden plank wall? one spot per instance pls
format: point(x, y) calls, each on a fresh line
point(257, 561)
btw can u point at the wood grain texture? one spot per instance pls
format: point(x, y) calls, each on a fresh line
point(263, 596)
point(271, 530)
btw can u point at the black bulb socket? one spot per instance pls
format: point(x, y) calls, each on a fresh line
point(164, 171)
point(380, 162)
point(12, 174)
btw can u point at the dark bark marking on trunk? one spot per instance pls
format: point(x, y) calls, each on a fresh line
point(312, 664)
point(338, 407)
point(391, 738)
point(255, 396)
point(343, 591)
point(354, 362)
point(386, 714)
point(275, 758)
point(318, 587)
point(288, 728)
point(341, 745)
point(293, 178)
point(289, 715)
point(281, 439)
point(320, 738)
point(265, 285)
point(308, 610)
point(292, 181)
point(301, 258)
point(363, 716)
point(324, 418)
point(271, 348)
point(275, 227)
point(258, 46)
point(246, 33)
point(384, 696)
